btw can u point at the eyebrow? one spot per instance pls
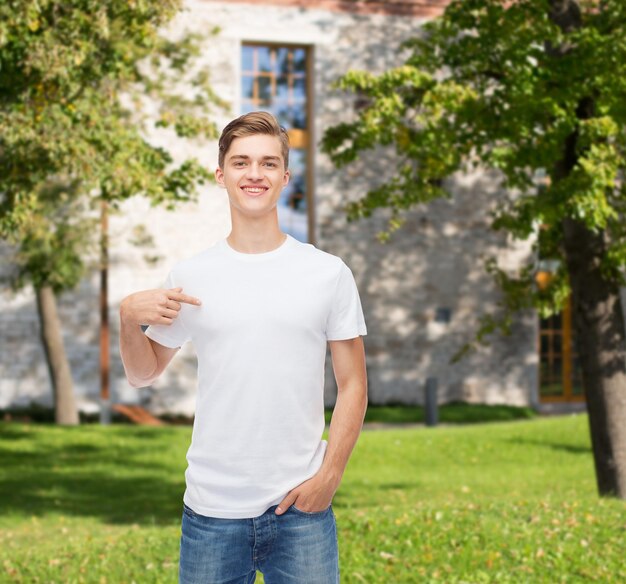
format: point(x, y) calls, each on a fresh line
point(245, 157)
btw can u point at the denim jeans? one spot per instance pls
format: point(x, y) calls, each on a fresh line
point(294, 547)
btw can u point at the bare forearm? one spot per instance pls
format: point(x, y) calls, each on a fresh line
point(144, 359)
point(138, 357)
point(345, 427)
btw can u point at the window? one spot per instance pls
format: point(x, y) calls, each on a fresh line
point(276, 79)
point(559, 375)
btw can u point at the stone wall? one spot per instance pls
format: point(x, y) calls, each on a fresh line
point(435, 261)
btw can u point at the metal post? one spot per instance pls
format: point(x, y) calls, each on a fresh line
point(430, 402)
point(105, 411)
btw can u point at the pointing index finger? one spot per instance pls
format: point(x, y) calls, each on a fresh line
point(180, 297)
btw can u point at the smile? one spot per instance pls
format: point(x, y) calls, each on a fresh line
point(254, 191)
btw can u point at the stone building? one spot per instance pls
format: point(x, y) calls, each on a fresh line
point(422, 292)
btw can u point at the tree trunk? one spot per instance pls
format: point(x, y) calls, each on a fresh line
point(600, 333)
point(597, 307)
point(58, 365)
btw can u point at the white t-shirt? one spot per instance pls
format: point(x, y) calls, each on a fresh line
point(261, 339)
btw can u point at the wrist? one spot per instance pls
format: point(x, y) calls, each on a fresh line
point(331, 475)
point(123, 308)
point(125, 317)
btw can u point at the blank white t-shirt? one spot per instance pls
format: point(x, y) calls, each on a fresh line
point(261, 338)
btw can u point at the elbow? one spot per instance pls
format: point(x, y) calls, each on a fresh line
point(143, 380)
point(138, 383)
point(354, 388)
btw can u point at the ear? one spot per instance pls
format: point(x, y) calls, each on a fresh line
point(219, 177)
point(286, 177)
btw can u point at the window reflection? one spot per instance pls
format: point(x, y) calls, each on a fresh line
point(247, 87)
point(264, 59)
point(299, 58)
point(247, 63)
point(299, 89)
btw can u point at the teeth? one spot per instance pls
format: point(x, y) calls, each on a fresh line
point(253, 190)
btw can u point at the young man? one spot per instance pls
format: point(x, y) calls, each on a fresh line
point(259, 307)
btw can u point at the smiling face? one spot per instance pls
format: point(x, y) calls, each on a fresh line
point(254, 174)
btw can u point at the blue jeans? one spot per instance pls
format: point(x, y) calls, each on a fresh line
point(294, 547)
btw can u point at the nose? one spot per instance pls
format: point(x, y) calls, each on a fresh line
point(254, 171)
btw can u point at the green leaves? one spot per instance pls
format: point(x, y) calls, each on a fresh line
point(76, 76)
point(54, 238)
point(503, 86)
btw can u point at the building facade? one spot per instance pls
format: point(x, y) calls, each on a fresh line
point(422, 292)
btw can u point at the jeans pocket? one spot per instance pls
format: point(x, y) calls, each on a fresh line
point(310, 513)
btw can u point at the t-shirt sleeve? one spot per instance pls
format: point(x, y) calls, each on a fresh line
point(345, 320)
point(169, 335)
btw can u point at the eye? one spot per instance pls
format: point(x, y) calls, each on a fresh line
point(272, 164)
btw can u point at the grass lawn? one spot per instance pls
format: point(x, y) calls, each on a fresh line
point(500, 502)
point(451, 413)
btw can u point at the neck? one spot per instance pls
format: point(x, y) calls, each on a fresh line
point(255, 240)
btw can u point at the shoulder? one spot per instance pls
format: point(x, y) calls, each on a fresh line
point(320, 258)
point(192, 265)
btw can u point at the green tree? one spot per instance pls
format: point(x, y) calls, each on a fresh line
point(525, 87)
point(50, 255)
point(76, 76)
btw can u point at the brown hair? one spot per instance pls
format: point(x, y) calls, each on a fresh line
point(258, 122)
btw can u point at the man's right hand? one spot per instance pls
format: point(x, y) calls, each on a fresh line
point(156, 306)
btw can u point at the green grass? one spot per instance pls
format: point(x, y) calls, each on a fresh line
point(451, 413)
point(501, 502)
